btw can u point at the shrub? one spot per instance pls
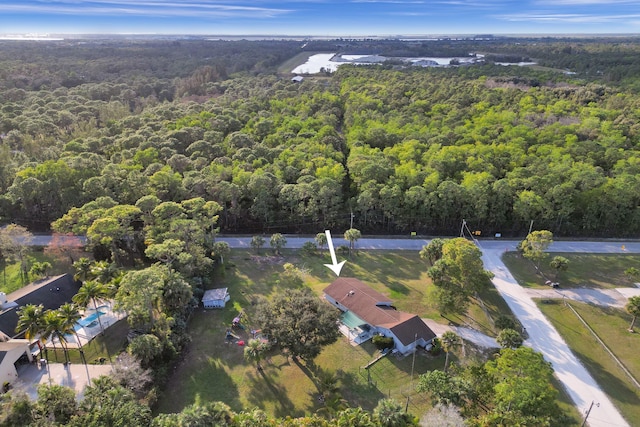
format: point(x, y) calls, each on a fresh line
point(381, 342)
point(436, 347)
point(309, 248)
point(505, 322)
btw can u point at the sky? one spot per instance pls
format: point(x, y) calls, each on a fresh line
point(320, 17)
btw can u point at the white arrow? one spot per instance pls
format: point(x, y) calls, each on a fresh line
point(335, 267)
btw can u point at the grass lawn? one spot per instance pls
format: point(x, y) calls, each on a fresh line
point(611, 326)
point(212, 369)
point(604, 271)
point(10, 279)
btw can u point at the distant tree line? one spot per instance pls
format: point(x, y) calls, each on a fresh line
point(403, 150)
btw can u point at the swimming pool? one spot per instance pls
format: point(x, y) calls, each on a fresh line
point(90, 320)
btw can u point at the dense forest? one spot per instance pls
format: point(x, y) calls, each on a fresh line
point(403, 149)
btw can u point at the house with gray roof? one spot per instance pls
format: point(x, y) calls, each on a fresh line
point(215, 298)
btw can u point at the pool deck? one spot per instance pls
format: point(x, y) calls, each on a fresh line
point(88, 331)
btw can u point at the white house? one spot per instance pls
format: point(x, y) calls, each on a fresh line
point(368, 312)
point(215, 298)
point(10, 352)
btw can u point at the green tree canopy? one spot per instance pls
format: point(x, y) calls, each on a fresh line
point(509, 338)
point(300, 322)
point(633, 308)
point(533, 247)
point(458, 275)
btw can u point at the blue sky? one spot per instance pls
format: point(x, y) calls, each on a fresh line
point(320, 17)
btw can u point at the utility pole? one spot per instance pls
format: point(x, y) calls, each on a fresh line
point(530, 227)
point(352, 215)
point(588, 412)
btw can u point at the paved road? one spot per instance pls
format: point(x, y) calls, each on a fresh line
point(543, 337)
point(296, 242)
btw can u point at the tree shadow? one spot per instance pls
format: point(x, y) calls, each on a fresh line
point(263, 389)
point(308, 370)
point(358, 392)
point(208, 382)
point(612, 385)
point(396, 286)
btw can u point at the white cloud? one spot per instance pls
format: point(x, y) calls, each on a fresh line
point(565, 17)
point(587, 2)
point(141, 8)
point(390, 1)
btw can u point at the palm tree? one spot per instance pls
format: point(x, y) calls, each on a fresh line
point(449, 340)
point(352, 235)
point(104, 271)
point(91, 291)
point(354, 417)
point(54, 328)
point(633, 308)
point(321, 240)
point(254, 351)
point(83, 269)
point(31, 321)
point(70, 314)
point(390, 413)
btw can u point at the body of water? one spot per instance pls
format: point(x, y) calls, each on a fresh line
point(330, 62)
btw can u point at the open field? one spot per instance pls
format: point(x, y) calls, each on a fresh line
point(212, 369)
point(611, 326)
point(603, 271)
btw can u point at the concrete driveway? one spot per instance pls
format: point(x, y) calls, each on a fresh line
point(75, 376)
point(543, 337)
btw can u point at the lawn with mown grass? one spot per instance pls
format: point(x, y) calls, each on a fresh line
point(10, 277)
point(611, 326)
point(603, 271)
point(213, 369)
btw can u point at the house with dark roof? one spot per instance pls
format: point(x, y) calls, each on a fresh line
point(367, 312)
point(51, 293)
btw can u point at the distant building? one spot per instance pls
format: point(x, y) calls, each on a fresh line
point(297, 79)
point(215, 298)
point(425, 63)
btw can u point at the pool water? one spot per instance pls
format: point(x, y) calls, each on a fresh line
point(90, 320)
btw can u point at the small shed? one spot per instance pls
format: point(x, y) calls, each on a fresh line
point(215, 298)
point(297, 79)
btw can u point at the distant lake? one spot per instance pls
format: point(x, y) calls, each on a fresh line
point(324, 61)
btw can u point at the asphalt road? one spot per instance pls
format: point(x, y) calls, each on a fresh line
point(407, 243)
